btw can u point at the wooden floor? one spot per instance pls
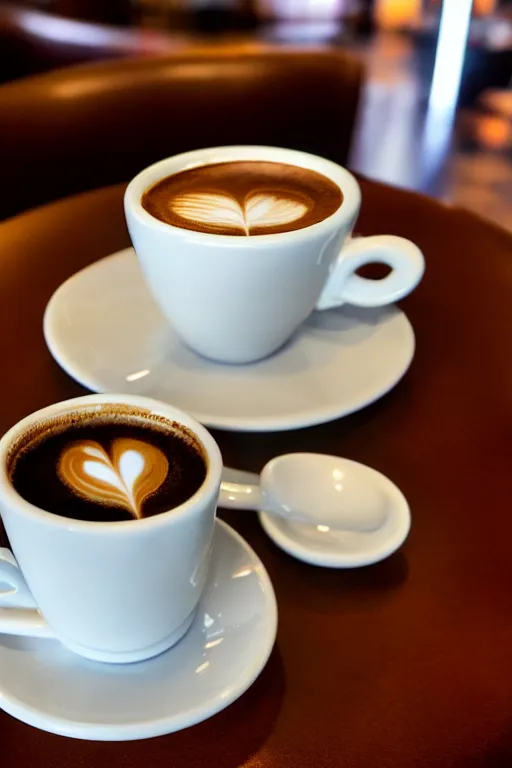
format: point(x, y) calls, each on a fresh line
point(465, 158)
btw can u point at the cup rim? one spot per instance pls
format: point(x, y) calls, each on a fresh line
point(208, 156)
point(124, 527)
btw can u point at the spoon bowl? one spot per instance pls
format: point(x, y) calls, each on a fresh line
point(324, 490)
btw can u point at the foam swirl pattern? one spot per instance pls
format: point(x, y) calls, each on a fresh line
point(124, 476)
point(261, 209)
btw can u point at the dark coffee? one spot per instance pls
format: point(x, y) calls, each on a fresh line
point(116, 464)
point(245, 197)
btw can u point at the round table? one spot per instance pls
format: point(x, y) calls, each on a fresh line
point(405, 663)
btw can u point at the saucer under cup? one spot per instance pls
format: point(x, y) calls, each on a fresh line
point(45, 685)
point(106, 331)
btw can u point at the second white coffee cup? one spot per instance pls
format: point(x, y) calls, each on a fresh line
point(237, 299)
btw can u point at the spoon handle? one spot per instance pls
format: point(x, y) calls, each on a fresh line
point(239, 496)
point(248, 495)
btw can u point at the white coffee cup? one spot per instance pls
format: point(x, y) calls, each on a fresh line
point(115, 591)
point(237, 299)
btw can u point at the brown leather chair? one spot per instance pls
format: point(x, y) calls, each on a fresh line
point(83, 127)
point(33, 41)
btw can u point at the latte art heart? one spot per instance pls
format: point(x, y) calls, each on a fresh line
point(259, 209)
point(124, 477)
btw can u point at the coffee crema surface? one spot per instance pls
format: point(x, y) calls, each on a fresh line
point(243, 197)
point(116, 464)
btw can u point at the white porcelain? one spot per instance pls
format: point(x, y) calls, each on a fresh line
point(237, 299)
point(103, 327)
point(116, 592)
point(227, 646)
point(324, 546)
point(311, 488)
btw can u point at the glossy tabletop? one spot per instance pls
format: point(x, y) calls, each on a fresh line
point(403, 664)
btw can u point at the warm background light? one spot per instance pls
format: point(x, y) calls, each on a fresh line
point(390, 14)
point(484, 7)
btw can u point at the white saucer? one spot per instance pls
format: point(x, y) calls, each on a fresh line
point(344, 549)
point(45, 685)
point(104, 329)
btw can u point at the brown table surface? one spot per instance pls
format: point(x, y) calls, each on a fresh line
point(405, 663)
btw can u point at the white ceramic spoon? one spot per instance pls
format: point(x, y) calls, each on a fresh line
point(312, 488)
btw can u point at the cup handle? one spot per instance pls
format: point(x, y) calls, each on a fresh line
point(345, 287)
point(18, 610)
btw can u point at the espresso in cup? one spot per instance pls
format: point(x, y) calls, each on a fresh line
point(243, 198)
point(114, 465)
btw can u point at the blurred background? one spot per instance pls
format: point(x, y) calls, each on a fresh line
point(435, 113)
